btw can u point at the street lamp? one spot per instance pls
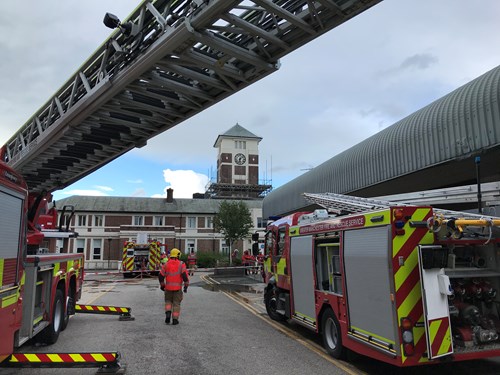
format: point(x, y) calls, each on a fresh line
point(109, 250)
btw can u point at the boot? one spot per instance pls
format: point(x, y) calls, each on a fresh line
point(175, 322)
point(167, 316)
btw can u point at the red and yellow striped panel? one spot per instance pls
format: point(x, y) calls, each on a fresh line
point(154, 257)
point(407, 278)
point(101, 309)
point(46, 358)
point(439, 332)
point(127, 262)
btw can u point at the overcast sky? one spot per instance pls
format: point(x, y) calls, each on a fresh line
point(327, 96)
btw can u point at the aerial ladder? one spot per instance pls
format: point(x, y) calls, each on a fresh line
point(454, 222)
point(167, 61)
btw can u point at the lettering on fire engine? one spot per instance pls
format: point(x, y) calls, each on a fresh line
point(357, 221)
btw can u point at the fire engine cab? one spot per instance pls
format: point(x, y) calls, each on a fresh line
point(407, 285)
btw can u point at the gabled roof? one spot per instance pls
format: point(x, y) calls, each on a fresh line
point(237, 131)
point(130, 205)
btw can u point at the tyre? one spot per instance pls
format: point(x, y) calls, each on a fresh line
point(70, 308)
point(332, 338)
point(271, 302)
point(51, 333)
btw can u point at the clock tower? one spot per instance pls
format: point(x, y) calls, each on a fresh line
point(237, 165)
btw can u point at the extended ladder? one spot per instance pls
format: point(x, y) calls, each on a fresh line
point(454, 221)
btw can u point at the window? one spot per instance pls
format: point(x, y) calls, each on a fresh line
point(281, 240)
point(189, 245)
point(82, 220)
point(240, 145)
point(96, 249)
point(224, 248)
point(261, 223)
point(209, 222)
point(158, 220)
point(138, 220)
point(191, 222)
point(79, 245)
point(98, 220)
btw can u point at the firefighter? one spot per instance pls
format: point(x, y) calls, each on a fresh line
point(191, 262)
point(164, 258)
point(171, 276)
point(248, 261)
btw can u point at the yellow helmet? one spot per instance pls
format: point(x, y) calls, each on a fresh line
point(174, 253)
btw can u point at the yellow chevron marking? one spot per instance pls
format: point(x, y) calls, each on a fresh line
point(98, 357)
point(418, 332)
point(410, 301)
point(55, 358)
point(410, 263)
point(433, 329)
point(399, 241)
point(32, 358)
point(100, 308)
point(77, 357)
point(446, 344)
point(112, 308)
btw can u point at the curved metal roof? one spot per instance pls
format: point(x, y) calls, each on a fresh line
point(431, 148)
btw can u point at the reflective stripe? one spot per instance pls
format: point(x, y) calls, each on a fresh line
point(173, 279)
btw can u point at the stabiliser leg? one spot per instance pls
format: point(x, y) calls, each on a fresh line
point(123, 312)
point(107, 362)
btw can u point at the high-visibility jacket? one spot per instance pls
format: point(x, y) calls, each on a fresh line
point(192, 259)
point(174, 272)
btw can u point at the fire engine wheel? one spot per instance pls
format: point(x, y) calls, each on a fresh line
point(271, 302)
point(70, 308)
point(51, 333)
point(332, 340)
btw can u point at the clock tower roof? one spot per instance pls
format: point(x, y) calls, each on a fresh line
point(237, 131)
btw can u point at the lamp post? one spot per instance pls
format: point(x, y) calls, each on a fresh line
point(109, 250)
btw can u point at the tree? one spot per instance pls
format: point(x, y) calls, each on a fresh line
point(233, 221)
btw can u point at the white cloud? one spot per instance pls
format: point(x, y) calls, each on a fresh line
point(139, 193)
point(184, 182)
point(104, 188)
point(330, 94)
point(96, 193)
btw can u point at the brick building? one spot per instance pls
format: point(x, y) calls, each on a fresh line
point(103, 224)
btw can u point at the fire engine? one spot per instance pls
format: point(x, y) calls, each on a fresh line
point(38, 292)
point(142, 257)
point(404, 284)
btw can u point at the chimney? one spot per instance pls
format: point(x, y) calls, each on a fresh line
point(170, 195)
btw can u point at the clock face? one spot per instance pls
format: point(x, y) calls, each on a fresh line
point(240, 159)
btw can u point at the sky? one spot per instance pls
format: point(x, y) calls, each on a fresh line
point(328, 95)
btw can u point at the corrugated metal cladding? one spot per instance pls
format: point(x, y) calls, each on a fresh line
point(462, 123)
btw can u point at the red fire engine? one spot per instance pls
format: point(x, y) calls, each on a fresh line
point(38, 291)
point(407, 285)
point(141, 258)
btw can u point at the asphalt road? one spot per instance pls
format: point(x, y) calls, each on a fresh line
point(223, 330)
point(216, 335)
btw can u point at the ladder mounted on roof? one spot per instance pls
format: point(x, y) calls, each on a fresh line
point(454, 221)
